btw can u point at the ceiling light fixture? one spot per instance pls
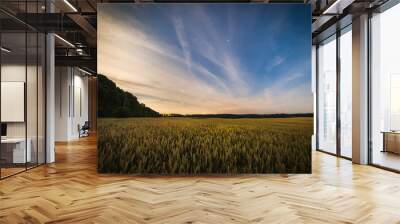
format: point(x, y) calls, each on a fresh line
point(84, 71)
point(80, 51)
point(5, 50)
point(65, 41)
point(70, 5)
point(337, 7)
point(331, 7)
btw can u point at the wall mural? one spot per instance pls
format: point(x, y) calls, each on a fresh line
point(204, 88)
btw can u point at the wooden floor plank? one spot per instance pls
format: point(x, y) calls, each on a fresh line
point(71, 191)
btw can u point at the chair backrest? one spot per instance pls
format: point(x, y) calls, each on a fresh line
point(86, 125)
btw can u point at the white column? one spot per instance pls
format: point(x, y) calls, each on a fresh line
point(50, 92)
point(360, 90)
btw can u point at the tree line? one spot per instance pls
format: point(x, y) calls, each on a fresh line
point(240, 115)
point(115, 102)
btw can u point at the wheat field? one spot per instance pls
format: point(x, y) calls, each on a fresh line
point(168, 145)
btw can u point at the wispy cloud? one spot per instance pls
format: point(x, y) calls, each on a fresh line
point(201, 73)
point(180, 32)
point(278, 60)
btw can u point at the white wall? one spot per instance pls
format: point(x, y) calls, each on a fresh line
point(33, 127)
point(61, 115)
point(80, 110)
point(12, 73)
point(71, 102)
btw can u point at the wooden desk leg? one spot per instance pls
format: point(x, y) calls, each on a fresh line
point(384, 142)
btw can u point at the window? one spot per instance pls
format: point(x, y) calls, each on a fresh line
point(327, 95)
point(346, 92)
point(22, 95)
point(394, 102)
point(385, 89)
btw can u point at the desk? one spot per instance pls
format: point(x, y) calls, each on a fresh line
point(391, 141)
point(14, 150)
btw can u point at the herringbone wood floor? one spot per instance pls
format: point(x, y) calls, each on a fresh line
point(71, 191)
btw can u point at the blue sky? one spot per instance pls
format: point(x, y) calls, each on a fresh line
point(209, 58)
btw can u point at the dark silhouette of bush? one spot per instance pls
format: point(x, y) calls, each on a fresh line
point(115, 102)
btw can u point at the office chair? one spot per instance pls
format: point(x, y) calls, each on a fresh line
point(84, 130)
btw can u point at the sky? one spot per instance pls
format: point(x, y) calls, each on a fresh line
point(209, 58)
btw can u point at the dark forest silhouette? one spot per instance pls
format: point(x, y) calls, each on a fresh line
point(115, 102)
